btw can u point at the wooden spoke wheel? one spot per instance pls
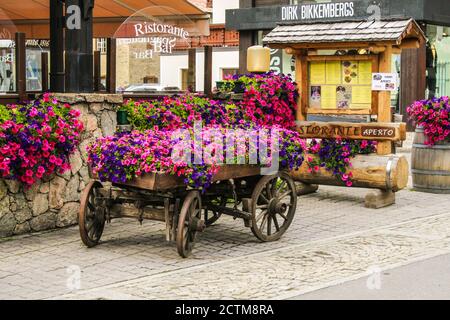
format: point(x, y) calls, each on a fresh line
point(189, 223)
point(210, 216)
point(274, 202)
point(91, 217)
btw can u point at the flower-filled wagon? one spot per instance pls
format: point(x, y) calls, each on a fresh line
point(187, 161)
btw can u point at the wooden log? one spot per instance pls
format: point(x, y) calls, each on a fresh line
point(369, 171)
point(355, 131)
point(304, 189)
point(377, 199)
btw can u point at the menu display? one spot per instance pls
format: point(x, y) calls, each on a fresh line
point(343, 84)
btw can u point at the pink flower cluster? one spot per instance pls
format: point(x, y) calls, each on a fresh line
point(433, 116)
point(269, 99)
point(37, 139)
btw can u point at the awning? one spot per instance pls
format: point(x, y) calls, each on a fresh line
point(32, 16)
point(310, 34)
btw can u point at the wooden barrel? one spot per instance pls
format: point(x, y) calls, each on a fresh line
point(430, 165)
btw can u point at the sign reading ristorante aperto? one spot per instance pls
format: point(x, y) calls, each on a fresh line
point(318, 11)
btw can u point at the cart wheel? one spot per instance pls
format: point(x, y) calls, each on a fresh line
point(211, 216)
point(189, 223)
point(274, 202)
point(91, 217)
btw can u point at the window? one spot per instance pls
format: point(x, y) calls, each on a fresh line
point(229, 72)
point(100, 45)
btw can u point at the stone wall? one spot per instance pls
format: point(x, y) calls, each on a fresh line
point(54, 201)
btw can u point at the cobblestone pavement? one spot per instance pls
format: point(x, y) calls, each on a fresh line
point(321, 248)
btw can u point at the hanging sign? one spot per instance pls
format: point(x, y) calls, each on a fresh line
point(318, 11)
point(384, 81)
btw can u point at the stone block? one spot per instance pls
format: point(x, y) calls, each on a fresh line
point(40, 204)
point(56, 193)
point(43, 222)
point(68, 215)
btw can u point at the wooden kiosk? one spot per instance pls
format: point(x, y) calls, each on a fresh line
point(344, 68)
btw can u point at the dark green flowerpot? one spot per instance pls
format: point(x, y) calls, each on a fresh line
point(220, 85)
point(239, 87)
point(122, 117)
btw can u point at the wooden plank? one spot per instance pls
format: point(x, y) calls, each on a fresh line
point(413, 68)
point(21, 75)
point(97, 71)
point(384, 102)
point(246, 40)
point(355, 131)
point(127, 211)
point(44, 71)
point(111, 65)
point(208, 70)
point(342, 58)
point(227, 172)
point(301, 77)
point(162, 182)
point(375, 101)
point(330, 45)
point(191, 79)
point(363, 112)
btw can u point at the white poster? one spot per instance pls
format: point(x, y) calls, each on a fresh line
point(384, 81)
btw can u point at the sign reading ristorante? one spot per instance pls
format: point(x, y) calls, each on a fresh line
point(318, 11)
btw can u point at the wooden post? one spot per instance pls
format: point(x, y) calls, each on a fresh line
point(97, 71)
point(208, 71)
point(111, 65)
point(44, 71)
point(191, 69)
point(301, 77)
point(57, 76)
point(384, 99)
point(21, 76)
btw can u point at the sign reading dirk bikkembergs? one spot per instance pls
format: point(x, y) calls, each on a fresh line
point(318, 11)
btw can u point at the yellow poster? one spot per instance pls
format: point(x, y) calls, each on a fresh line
point(328, 99)
point(317, 73)
point(365, 72)
point(361, 95)
point(333, 71)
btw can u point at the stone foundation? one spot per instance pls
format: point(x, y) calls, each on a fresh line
point(54, 201)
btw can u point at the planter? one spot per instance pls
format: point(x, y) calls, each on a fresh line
point(220, 85)
point(239, 87)
point(430, 165)
point(122, 118)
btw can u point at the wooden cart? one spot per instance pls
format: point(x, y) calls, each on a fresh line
point(267, 204)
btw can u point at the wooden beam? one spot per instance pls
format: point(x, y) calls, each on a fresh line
point(354, 131)
point(208, 70)
point(191, 82)
point(410, 44)
point(111, 65)
point(97, 71)
point(21, 75)
point(57, 75)
point(359, 112)
point(301, 77)
point(377, 49)
point(44, 71)
point(331, 46)
point(384, 99)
